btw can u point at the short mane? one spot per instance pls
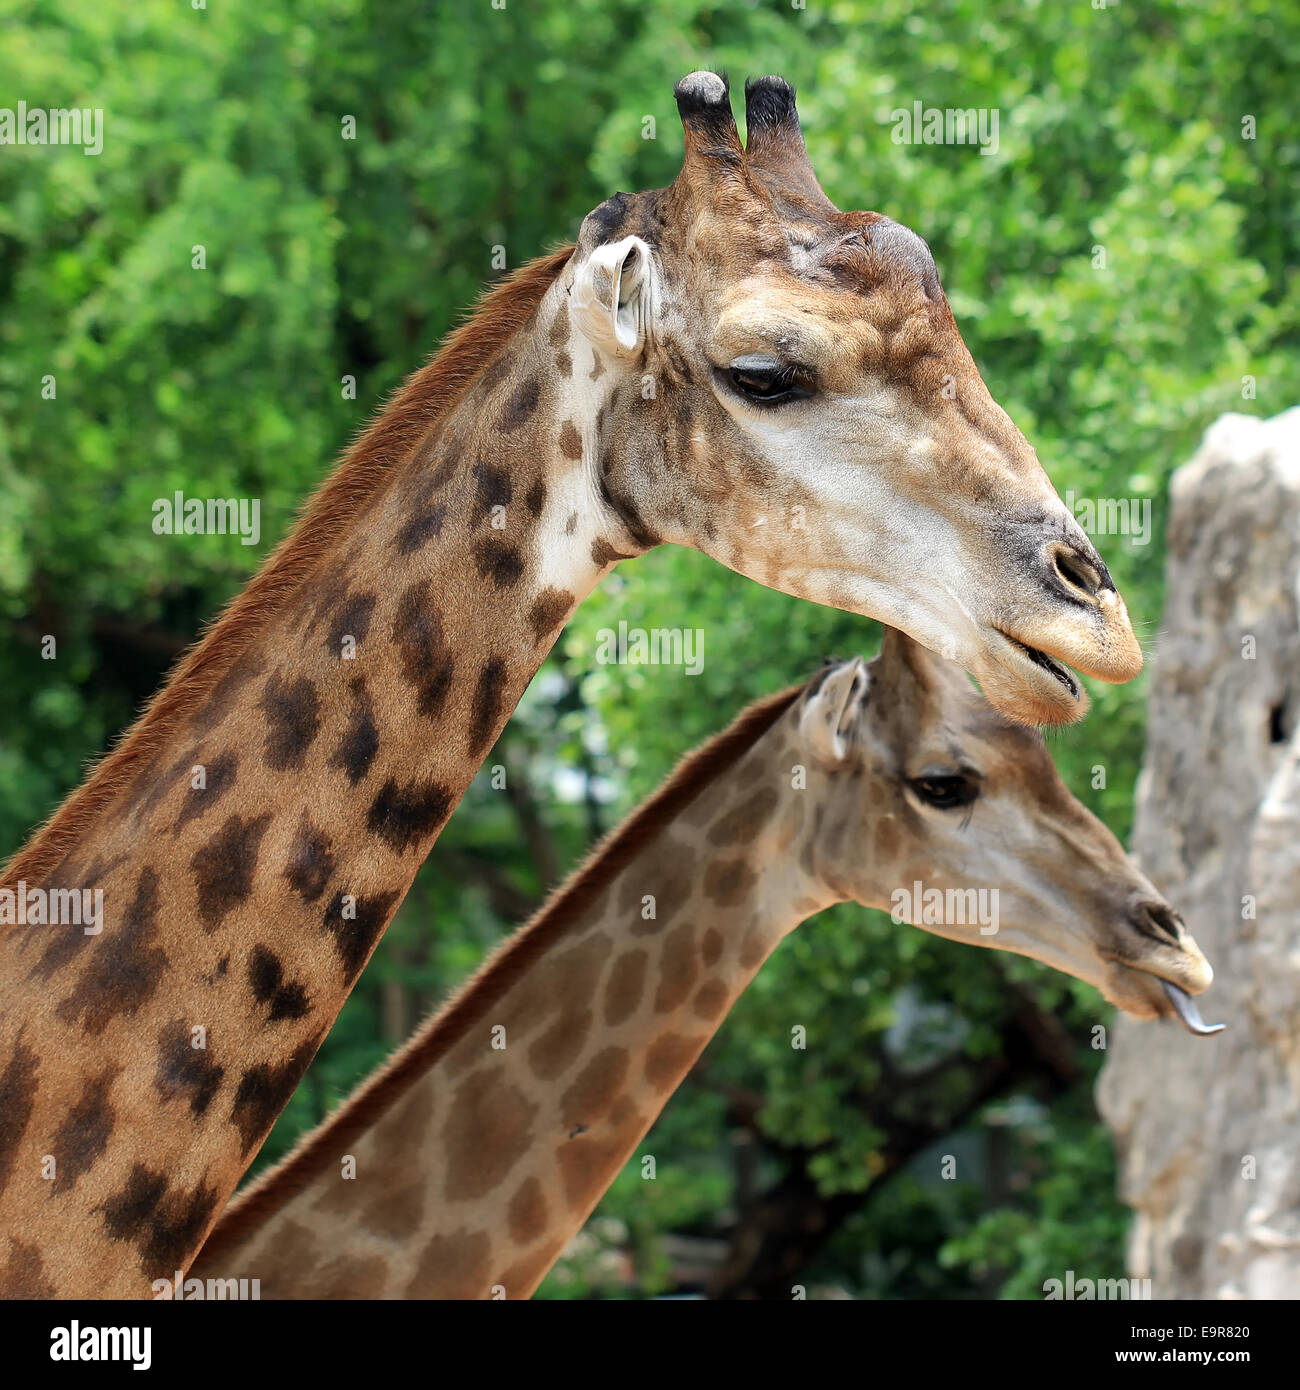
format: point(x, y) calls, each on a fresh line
point(412, 412)
point(473, 1001)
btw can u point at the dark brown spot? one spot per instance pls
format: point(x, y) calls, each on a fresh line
point(126, 966)
point(490, 709)
point(185, 1070)
point(755, 947)
point(488, 1130)
point(452, 1266)
point(219, 777)
point(564, 364)
point(360, 741)
point(712, 947)
point(281, 1264)
point(669, 1059)
point(422, 646)
point(589, 1164)
point(603, 554)
point(626, 986)
point(729, 881)
point(527, 1213)
point(83, 1136)
point(420, 529)
point(746, 820)
point(356, 924)
point(407, 1119)
point(666, 879)
point(292, 710)
point(397, 1210)
point(570, 441)
point(224, 867)
point(558, 1048)
point(562, 976)
point(595, 1089)
point(311, 861)
point(535, 498)
point(165, 1229)
point(521, 404)
point(678, 968)
point(711, 1000)
point(351, 620)
point(283, 999)
point(492, 490)
point(558, 333)
point(331, 594)
point(265, 1090)
point(17, 1099)
point(402, 816)
point(498, 561)
point(23, 1276)
point(549, 610)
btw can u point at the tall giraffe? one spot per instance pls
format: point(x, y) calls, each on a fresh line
point(485, 1143)
point(727, 363)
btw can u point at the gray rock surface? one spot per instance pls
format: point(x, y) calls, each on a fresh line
point(1218, 830)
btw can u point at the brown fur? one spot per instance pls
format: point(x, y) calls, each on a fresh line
point(500, 973)
point(403, 423)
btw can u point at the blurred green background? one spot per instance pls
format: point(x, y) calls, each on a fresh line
point(1120, 127)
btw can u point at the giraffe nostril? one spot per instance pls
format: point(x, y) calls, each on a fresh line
point(1159, 921)
point(1076, 572)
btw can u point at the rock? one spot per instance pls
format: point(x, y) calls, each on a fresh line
point(1207, 1129)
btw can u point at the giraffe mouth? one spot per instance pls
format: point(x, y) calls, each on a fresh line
point(1056, 669)
point(1188, 1014)
point(1169, 1001)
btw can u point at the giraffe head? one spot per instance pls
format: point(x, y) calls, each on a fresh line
point(929, 790)
point(785, 389)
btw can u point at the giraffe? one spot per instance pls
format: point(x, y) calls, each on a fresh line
point(727, 363)
point(485, 1142)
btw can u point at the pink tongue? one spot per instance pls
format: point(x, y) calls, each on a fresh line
point(1189, 1014)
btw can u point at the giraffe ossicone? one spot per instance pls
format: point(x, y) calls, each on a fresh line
point(748, 355)
point(464, 1166)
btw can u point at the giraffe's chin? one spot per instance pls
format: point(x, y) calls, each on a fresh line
point(1028, 686)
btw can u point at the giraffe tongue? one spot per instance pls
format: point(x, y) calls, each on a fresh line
point(1188, 1014)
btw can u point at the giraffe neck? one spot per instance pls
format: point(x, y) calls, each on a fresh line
point(253, 861)
point(467, 1165)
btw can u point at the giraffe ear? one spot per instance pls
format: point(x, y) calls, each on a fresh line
point(831, 708)
point(611, 296)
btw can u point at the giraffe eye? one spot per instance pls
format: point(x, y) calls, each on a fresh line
point(945, 792)
point(766, 380)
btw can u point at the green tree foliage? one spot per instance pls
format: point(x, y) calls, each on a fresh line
point(1119, 266)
